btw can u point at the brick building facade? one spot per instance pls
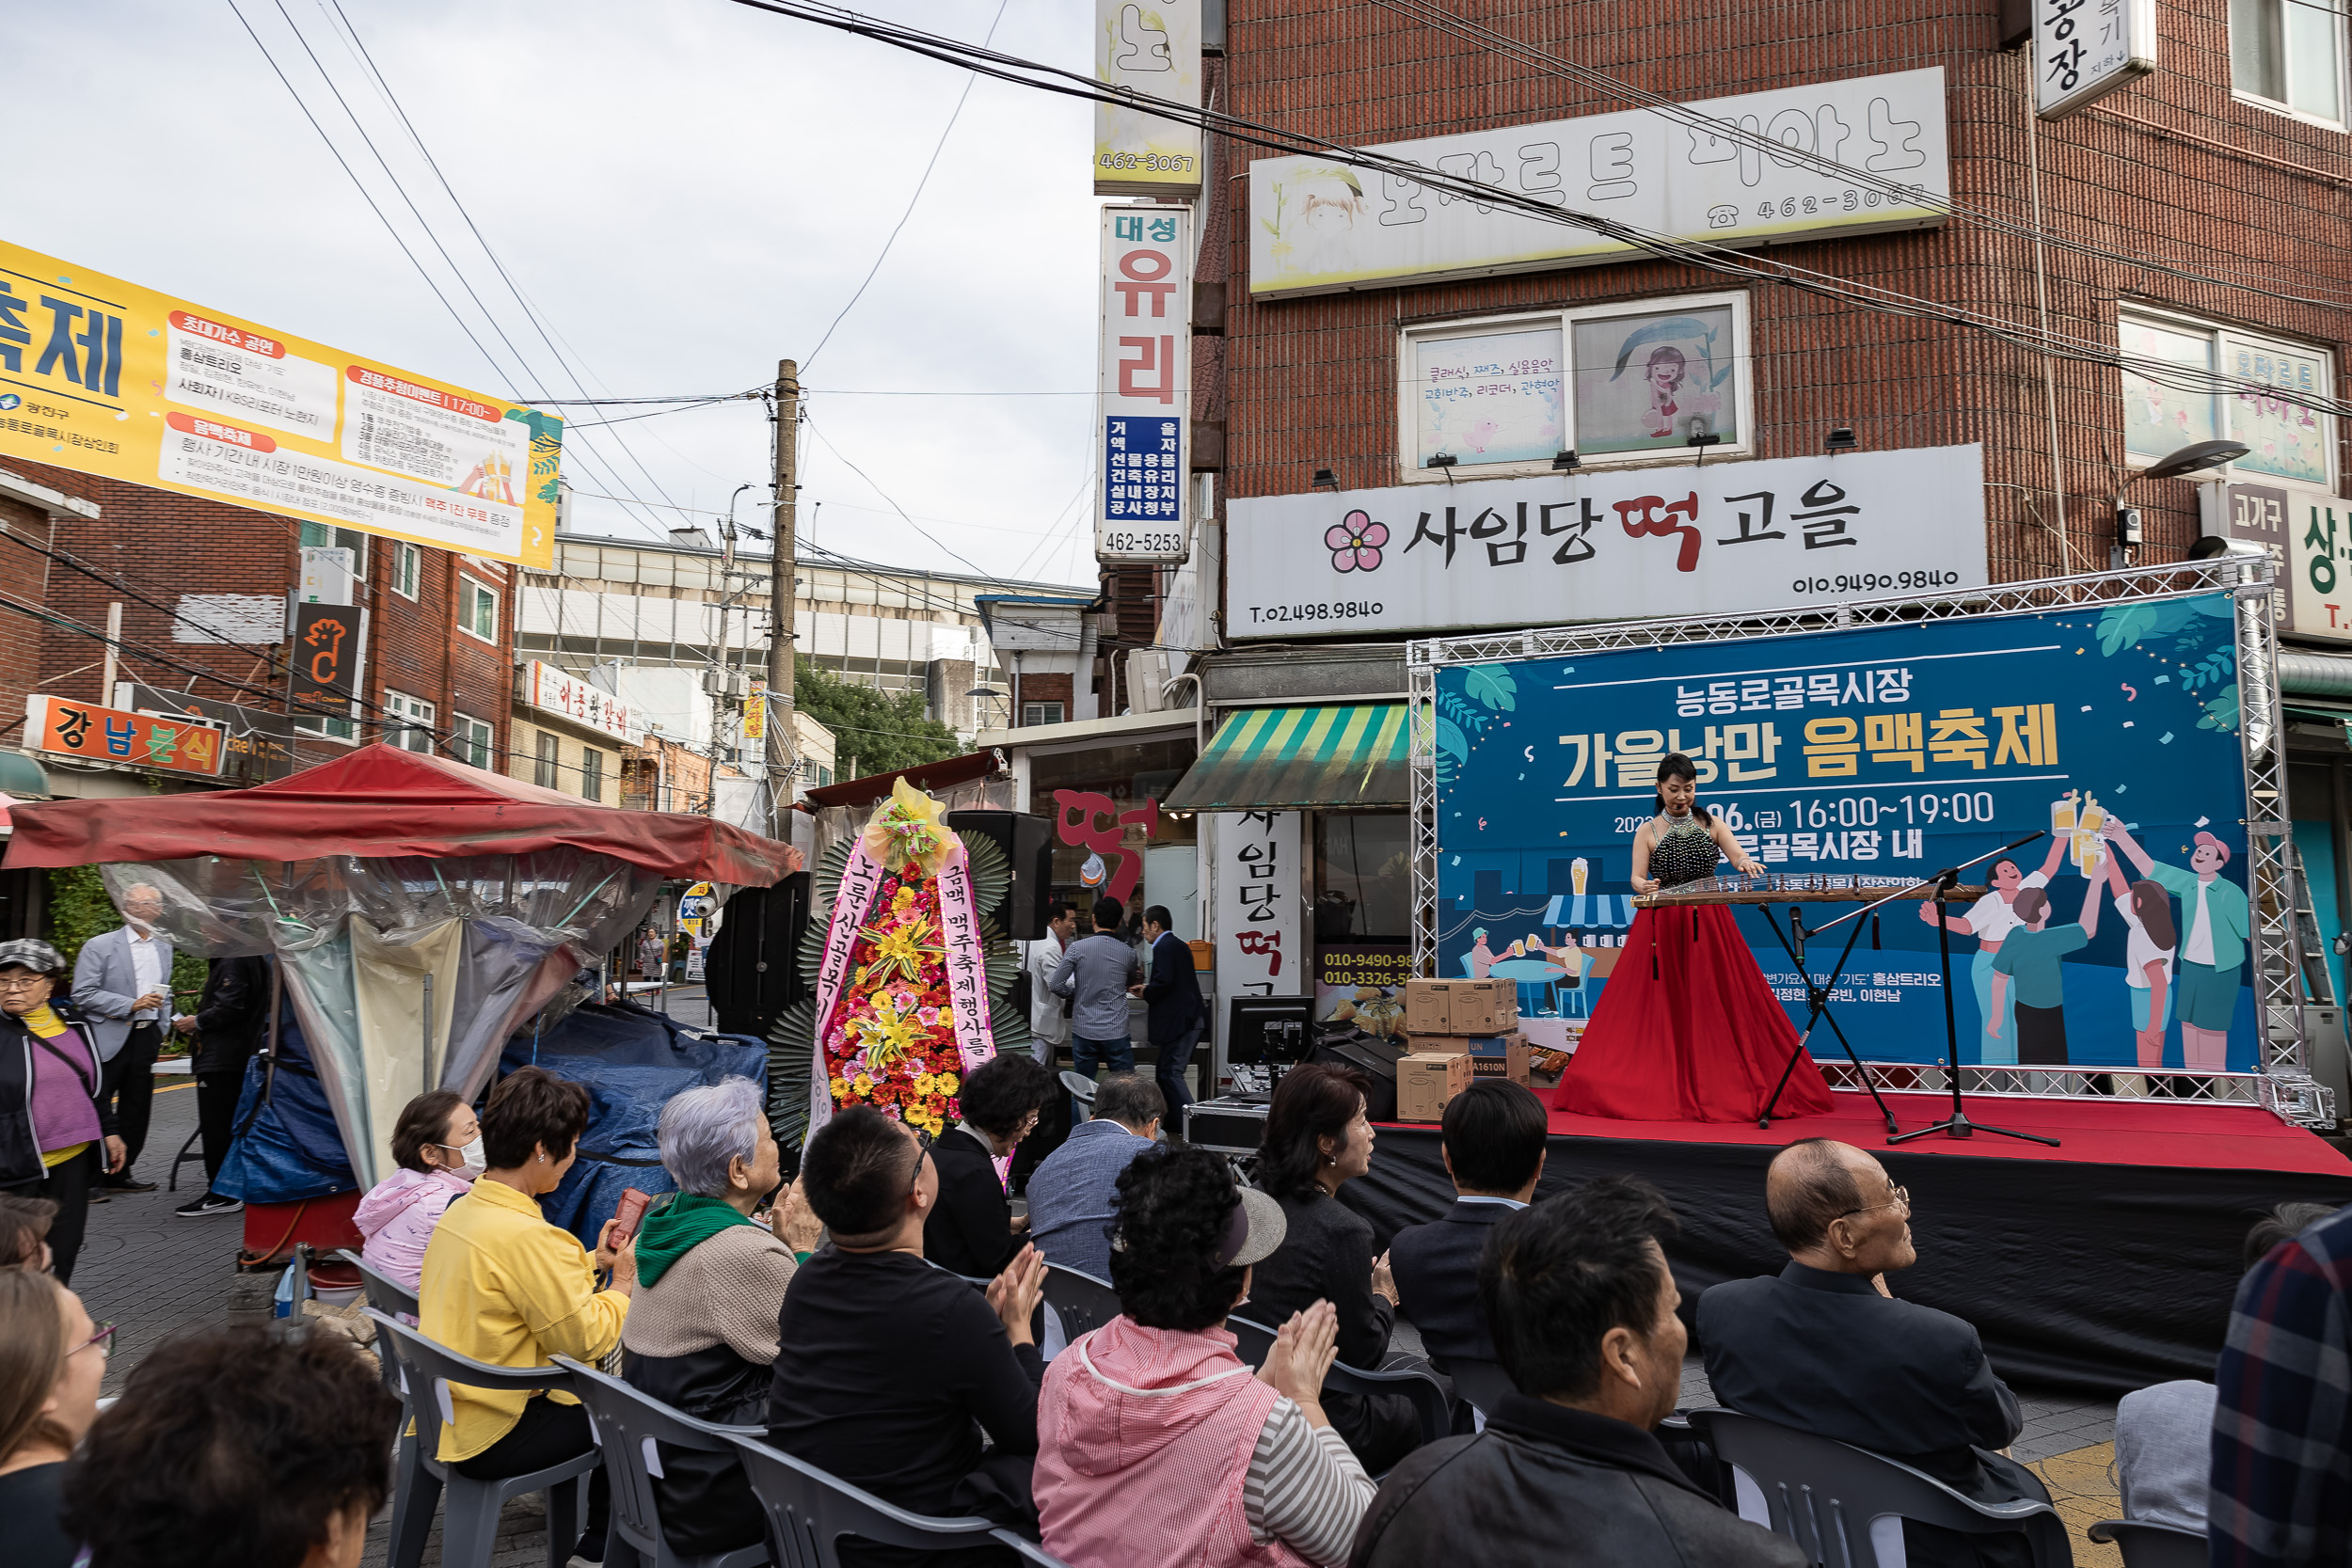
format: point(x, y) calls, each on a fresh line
point(202, 588)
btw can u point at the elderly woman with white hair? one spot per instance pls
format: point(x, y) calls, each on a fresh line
point(711, 1282)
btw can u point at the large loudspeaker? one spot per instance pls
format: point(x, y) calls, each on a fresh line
point(1377, 1060)
point(754, 966)
point(1027, 841)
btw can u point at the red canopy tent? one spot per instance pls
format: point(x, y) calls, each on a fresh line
point(381, 802)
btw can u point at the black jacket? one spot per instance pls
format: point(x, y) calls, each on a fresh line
point(230, 1015)
point(1547, 1484)
point(1174, 992)
point(1826, 1354)
point(1325, 1255)
point(20, 1140)
point(970, 1228)
point(1436, 1275)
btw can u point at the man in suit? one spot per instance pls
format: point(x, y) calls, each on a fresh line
point(1494, 1152)
point(1178, 1014)
point(227, 1025)
point(123, 981)
point(1826, 1348)
point(1569, 1470)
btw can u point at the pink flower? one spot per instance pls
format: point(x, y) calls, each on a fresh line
point(1355, 542)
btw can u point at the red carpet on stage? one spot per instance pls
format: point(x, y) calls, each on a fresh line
point(2090, 1132)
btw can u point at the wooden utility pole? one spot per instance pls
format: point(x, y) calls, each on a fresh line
point(783, 752)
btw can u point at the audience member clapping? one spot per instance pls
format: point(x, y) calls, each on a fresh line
point(1154, 1443)
point(1073, 1191)
point(1493, 1148)
point(2164, 1432)
point(1316, 1138)
point(1825, 1348)
point(25, 1232)
point(437, 1144)
point(2281, 1476)
point(503, 1286)
point(971, 1230)
point(237, 1448)
point(1581, 1306)
point(888, 1369)
point(51, 1360)
point(702, 1326)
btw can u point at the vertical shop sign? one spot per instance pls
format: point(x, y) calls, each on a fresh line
point(2322, 595)
point(1144, 384)
point(1148, 51)
point(2084, 50)
point(330, 643)
point(1257, 865)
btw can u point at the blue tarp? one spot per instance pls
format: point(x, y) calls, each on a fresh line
point(632, 1061)
point(290, 1148)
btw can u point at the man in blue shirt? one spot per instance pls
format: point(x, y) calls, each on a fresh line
point(1096, 971)
point(1073, 1192)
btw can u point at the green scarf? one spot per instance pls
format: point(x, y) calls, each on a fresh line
point(672, 1229)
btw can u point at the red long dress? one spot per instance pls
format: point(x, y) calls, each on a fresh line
point(1686, 1029)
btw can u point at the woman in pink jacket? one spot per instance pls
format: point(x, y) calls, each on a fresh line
point(1155, 1445)
point(437, 1145)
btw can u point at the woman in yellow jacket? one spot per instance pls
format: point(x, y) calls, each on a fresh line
point(503, 1286)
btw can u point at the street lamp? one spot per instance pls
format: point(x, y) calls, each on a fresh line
point(2196, 457)
point(986, 692)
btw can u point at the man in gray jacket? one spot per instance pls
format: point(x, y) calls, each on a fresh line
point(123, 981)
point(1096, 972)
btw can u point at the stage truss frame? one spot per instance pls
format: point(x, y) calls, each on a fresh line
point(2281, 1081)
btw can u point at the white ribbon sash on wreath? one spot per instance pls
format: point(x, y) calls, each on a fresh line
point(965, 963)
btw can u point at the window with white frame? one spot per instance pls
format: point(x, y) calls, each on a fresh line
point(407, 569)
point(592, 773)
point(477, 609)
point(1640, 382)
point(547, 768)
point(2186, 381)
point(1039, 713)
point(407, 721)
point(471, 740)
point(345, 730)
point(2289, 55)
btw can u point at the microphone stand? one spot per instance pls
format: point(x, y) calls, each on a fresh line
point(1957, 1125)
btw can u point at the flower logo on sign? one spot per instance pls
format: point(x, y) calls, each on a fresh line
point(1355, 542)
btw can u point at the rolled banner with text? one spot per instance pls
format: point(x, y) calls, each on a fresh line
point(902, 1013)
point(105, 378)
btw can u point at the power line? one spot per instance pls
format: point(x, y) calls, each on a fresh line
point(912, 201)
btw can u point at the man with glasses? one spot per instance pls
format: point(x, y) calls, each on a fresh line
point(1826, 1348)
point(122, 982)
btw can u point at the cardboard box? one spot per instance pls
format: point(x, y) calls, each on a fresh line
point(1502, 1055)
point(1481, 1007)
point(1425, 1083)
point(1426, 1006)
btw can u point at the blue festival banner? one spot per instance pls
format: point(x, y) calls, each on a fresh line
point(1884, 754)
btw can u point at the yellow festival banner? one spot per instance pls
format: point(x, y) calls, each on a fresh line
point(107, 378)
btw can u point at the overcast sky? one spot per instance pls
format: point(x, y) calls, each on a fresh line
point(686, 190)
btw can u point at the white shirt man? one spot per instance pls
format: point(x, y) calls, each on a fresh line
point(1048, 1021)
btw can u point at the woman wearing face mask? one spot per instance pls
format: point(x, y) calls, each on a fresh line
point(438, 1146)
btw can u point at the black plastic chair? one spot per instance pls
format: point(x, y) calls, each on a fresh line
point(1817, 1491)
point(629, 1423)
point(1427, 1394)
point(1082, 1302)
point(2147, 1545)
point(808, 1512)
point(1480, 1384)
point(469, 1513)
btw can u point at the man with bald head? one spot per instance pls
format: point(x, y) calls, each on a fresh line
point(1824, 1347)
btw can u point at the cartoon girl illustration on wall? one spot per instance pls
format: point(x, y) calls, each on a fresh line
point(1990, 919)
point(1674, 405)
point(2148, 954)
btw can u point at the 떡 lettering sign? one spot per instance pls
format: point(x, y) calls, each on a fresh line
point(126, 739)
point(2084, 50)
point(1317, 226)
point(329, 651)
point(1618, 545)
point(1257, 890)
point(554, 691)
point(1144, 384)
point(103, 377)
point(1150, 51)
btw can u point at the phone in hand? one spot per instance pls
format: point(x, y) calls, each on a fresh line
point(628, 1213)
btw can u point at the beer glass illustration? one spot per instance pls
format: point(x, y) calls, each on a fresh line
point(2077, 818)
point(1578, 871)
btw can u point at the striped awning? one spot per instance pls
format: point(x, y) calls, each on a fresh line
point(1278, 758)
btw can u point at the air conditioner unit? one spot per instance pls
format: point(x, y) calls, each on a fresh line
point(1147, 673)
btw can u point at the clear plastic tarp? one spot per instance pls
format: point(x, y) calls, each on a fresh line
point(406, 974)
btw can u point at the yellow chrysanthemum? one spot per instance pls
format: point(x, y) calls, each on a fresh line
point(841, 1087)
point(864, 1085)
point(925, 1084)
point(948, 1017)
point(901, 898)
point(947, 1083)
